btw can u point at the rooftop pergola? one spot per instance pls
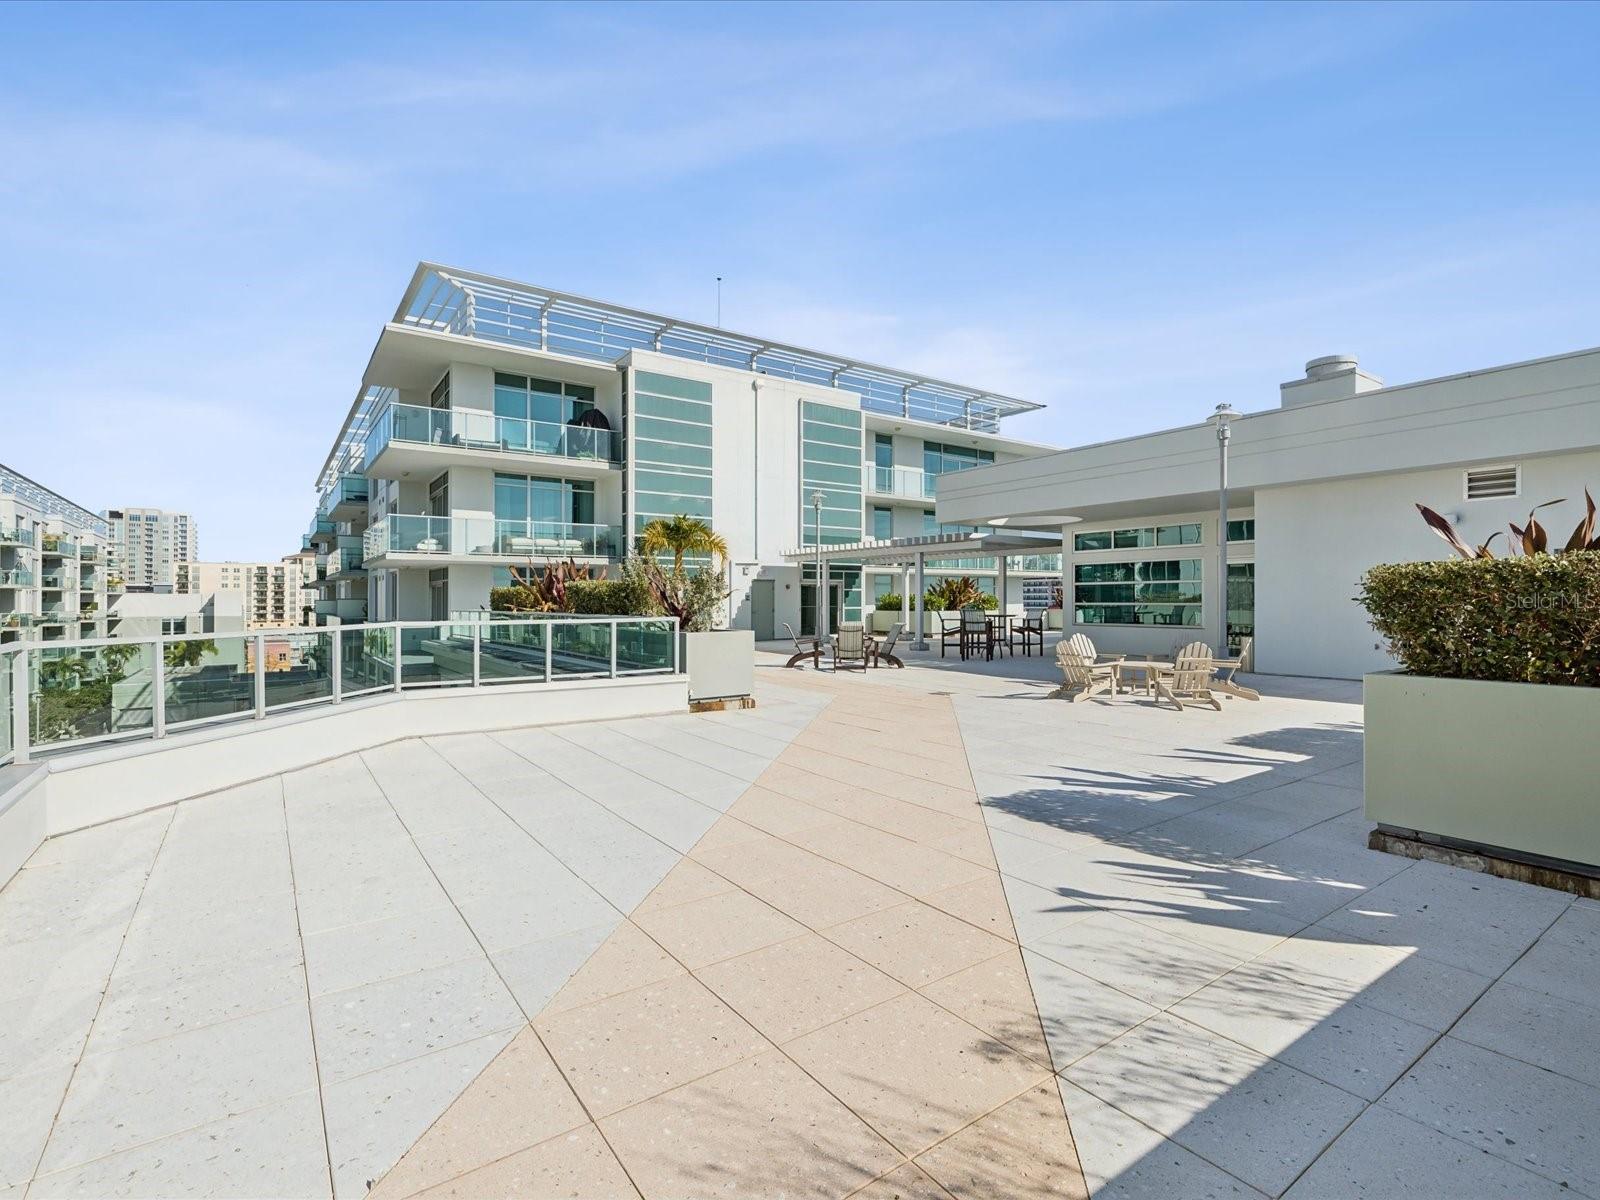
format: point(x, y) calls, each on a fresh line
point(913, 553)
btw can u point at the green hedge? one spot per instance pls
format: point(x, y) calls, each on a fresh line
point(605, 598)
point(1532, 619)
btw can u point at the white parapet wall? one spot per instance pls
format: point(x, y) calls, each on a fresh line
point(59, 794)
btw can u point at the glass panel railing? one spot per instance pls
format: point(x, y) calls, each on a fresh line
point(208, 678)
point(409, 535)
point(59, 546)
point(16, 577)
point(52, 581)
point(474, 429)
point(436, 655)
point(512, 651)
point(299, 667)
point(15, 535)
point(901, 481)
point(6, 678)
point(366, 659)
point(555, 539)
point(645, 646)
point(580, 648)
point(83, 693)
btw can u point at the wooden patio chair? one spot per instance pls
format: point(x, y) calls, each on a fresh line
point(884, 653)
point(1191, 678)
point(1227, 666)
point(1082, 675)
point(1081, 645)
point(850, 647)
point(804, 647)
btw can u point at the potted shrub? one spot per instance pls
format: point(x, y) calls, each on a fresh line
point(1480, 742)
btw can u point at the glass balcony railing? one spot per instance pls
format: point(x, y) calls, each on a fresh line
point(464, 536)
point(89, 554)
point(347, 609)
point(52, 582)
point(346, 490)
point(15, 578)
point(900, 481)
point(58, 546)
point(319, 533)
point(476, 430)
point(15, 535)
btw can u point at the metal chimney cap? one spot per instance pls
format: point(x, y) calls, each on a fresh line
point(1330, 364)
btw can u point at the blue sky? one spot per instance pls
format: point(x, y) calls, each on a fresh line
point(1127, 213)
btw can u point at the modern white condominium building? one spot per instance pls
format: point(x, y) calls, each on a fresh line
point(151, 543)
point(271, 591)
point(57, 565)
point(500, 424)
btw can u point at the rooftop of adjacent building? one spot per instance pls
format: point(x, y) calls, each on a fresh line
point(48, 503)
point(486, 308)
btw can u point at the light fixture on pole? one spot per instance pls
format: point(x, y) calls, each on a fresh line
point(822, 583)
point(1222, 418)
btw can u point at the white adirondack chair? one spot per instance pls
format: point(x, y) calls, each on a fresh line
point(1191, 678)
point(1081, 674)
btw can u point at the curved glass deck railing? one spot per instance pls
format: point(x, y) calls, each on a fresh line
point(66, 695)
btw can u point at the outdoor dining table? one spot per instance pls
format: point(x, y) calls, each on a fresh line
point(999, 631)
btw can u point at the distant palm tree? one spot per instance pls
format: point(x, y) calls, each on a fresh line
point(681, 535)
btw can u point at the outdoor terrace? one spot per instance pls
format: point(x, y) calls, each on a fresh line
point(885, 935)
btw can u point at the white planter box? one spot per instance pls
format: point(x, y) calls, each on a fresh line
point(1501, 766)
point(721, 664)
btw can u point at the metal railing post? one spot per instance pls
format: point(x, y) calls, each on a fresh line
point(336, 663)
point(477, 651)
point(549, 649)
point(615, 633)
point(676, 635)
point(158, 677)
point(397, 656)
point(260, 642)
point(21, 704)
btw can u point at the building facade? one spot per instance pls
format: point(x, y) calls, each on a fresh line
point(270, 591)
point(151, 543)
point(501, 425)
point(1321, 488)
point(58, 565)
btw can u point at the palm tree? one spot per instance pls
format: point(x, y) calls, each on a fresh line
point(682, 535)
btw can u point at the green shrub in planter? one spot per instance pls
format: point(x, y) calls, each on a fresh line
point(1529, 619)
point(607, 598)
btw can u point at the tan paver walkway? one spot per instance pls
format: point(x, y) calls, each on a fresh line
point(825, 998)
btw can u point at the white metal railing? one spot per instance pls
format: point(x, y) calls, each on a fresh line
point(900, 481)
point(66, 695)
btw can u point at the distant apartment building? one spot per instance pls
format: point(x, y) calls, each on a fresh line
point(58, 565)
point(504, 425)
point(271, 590)
point(151, 543)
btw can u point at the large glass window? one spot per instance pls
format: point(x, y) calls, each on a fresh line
point(1242, 531)
point(529, 498)
point(1156, 592)
point(529, 399)
point(882, 450)
point(937, 458)
point(671, 420)
point(882, 524)
point(1138, 538)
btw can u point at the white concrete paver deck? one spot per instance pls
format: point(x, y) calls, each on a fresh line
point(275, 991)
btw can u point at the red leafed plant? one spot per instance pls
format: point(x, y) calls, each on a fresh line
point(1528, 539)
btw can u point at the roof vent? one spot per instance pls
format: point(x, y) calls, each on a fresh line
point(1331, 377)
point(1493, 483)
point(1330, 364)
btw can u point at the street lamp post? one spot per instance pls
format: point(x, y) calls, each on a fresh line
point(822, 581)
point(1222, 418)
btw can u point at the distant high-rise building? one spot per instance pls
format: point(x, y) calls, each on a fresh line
point(57, 565)
point(272, 590)
point(151, 543)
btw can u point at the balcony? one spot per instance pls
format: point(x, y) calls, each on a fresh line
point(58, 547)
point(319, 534)
point(479, 538)
point(346, 556)
point(53, 582)
point(16, 536)
point(906, 483)
point(89, 554)
point(115, 586)
point(346, 610)
point(407, 437)
point(346, 500)
point(16, 578)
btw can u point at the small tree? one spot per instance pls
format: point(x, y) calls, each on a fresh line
point(190, 653)
point(682, 535)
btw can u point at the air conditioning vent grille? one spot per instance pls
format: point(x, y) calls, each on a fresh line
point(1489, 483)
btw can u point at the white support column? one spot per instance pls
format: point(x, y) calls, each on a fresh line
point(1001, 582)
point(1066, 579)
point(477, 654)
point(158, 691)
point(260, 644)
point(905, 597)
point(922, 637)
